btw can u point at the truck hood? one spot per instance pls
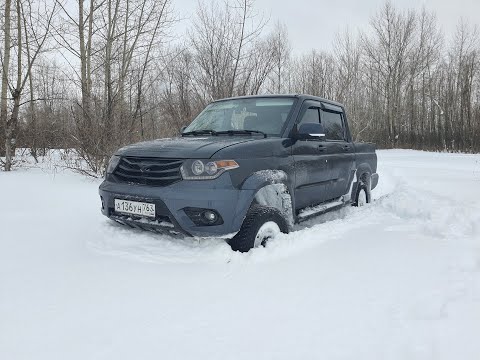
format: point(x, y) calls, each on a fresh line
point(183, 147)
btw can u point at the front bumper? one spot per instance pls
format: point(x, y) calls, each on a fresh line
point(219, 194)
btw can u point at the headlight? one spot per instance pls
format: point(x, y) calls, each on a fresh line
point(206, 169)
point(112, 164)
point(198, 168)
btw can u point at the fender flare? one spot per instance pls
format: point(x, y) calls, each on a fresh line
point(269, 188)
point(364, 171)
point(264, 177)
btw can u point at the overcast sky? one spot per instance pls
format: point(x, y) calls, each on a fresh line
point(313, 23)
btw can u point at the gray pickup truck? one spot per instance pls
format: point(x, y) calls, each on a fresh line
point(245, 169)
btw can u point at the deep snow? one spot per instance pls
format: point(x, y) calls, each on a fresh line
point(398, 279)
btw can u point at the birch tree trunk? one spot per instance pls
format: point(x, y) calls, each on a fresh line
point(11, 127)
point(5, 71)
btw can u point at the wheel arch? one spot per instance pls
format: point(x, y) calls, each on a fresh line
point(364, 172)
point(272, 188)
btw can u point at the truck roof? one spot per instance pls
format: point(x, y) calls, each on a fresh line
point(298, 96)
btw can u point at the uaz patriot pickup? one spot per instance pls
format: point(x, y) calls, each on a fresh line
point(245, 169)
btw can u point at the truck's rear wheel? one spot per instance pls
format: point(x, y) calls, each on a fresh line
point(363, 194)
point(261, 224)
point(362, 197)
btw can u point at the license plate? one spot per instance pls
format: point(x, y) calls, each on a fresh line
point(134, 208)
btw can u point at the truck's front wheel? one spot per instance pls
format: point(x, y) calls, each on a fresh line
point(261, 224)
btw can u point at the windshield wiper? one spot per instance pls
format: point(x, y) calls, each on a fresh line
point(200, 132)
point(241, 132)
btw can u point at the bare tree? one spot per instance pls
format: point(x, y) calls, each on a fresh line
point(113, 42)
point(32, 33)
point(5, 58)
point(223, 39)
point(388, 52)
point(281, 52)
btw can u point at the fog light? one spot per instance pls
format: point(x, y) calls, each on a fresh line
point(210, 216)
point(203, 217)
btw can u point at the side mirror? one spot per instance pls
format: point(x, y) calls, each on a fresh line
point(182, 129)
point(310, 131)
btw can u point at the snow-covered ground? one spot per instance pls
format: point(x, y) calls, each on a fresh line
point(398, 279)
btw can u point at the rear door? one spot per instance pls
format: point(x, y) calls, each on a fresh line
point(311, 165)
point(339, 149)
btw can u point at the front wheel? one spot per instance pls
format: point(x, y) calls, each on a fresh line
point(261, 224)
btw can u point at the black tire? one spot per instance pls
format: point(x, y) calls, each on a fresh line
point(257, 215)
point(363, 186)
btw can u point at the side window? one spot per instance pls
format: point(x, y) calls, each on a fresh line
point(310, 116)
point(333, 124)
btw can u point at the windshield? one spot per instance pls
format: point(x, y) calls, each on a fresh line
point(266, 115)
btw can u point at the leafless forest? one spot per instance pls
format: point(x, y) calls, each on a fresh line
point(94, 75)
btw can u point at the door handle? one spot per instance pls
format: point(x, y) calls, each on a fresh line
point(346, 147)
point(321, 148)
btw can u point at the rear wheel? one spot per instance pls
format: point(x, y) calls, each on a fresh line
point(261, 224)
point(362, 196)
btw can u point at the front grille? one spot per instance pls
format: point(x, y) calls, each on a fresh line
point(148, 171)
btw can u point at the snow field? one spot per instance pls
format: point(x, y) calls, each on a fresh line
point(397, 279)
